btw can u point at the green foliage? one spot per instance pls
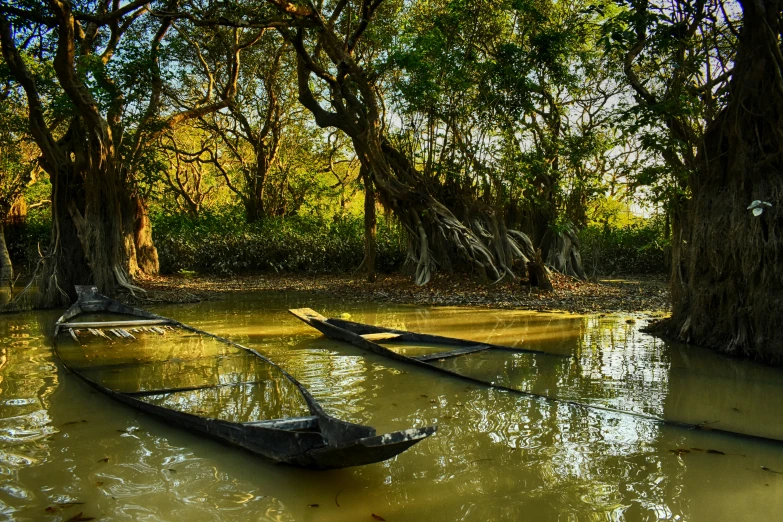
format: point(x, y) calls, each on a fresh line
point(633, 249)
point(223, 243)
point(27, 239)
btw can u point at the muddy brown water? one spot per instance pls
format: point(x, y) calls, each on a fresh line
point(66, 449)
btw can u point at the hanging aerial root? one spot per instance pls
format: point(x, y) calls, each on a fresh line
point(123, 282)
point(423, 271)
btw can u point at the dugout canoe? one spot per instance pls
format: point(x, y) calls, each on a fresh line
point(368, 337)
point(316, 441)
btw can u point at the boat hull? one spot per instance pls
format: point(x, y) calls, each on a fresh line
point(319, 441)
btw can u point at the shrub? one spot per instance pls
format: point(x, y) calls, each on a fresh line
point(221, 242)
point(23, 240)
point(633, 249)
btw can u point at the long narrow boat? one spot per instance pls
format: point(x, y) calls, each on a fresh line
point(367, 337)
point(119, 350)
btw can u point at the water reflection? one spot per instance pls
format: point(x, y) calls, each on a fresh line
point(497, 456)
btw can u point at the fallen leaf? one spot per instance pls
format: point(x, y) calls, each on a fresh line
point(377, 517)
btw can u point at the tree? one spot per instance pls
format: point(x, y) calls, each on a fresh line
point(677, 58)
point(250, 131)
point(92, 131)
point(16, 170)
point(727, 287)
point(339, 52)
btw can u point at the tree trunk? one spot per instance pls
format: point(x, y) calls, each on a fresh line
point(727, 269)
point(256, 183)
point(146, 253)
point(91, 242)
point(370, 227)
point(6, 268)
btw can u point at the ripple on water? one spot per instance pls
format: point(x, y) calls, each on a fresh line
point(26, 428)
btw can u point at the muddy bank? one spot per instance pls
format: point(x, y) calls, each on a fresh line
point(621, 295)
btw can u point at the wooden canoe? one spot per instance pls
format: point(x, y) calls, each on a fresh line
point(317, 440)
point(365, 336)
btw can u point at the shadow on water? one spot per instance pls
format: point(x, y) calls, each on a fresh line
point(496, 456)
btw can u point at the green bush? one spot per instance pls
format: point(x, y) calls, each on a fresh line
point(23, 240)
point(633, 249)
point(223, 243)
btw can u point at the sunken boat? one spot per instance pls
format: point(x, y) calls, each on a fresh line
point(212, 386)
point(402, 346)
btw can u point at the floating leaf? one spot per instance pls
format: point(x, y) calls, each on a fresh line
point(377, 517)
point(679, 451)
point(66, 505)
point(715, 452)
point(51, 509)
point(765, 468)
point(99, 483)
point(104, 459)
point(313, 505)
point(754, 204)
point(696, 449)
point(758, 211)
point(123, 431)
point(172, 470)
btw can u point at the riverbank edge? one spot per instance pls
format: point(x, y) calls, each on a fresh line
point(628, 294)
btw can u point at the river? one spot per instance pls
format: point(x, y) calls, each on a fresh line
point(66, 449)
